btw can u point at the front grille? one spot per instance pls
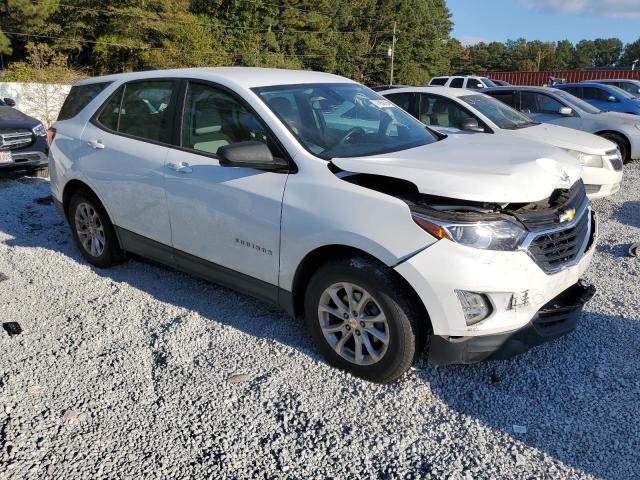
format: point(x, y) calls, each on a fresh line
point(556, 249)
point(15, 139)
point(545, 215)
point(614, 157)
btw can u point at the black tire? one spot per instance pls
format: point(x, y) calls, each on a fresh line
point(621, 142)
point(111, 253)
point(407, 324)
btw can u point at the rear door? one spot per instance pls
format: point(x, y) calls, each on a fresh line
point(225, 220)
point(125, 148)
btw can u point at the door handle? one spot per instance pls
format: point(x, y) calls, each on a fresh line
point(97, 144)
point(182, 167)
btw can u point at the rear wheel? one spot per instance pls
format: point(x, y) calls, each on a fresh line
point(92, 230)
point(362, 319)
point(621, 142)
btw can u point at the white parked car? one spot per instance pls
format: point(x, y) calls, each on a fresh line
point(459, 111)
point(311, 191)
point(471, 82)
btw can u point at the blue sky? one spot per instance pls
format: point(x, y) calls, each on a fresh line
point(545, 19)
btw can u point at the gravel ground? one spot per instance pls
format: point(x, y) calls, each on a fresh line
point(125, 373)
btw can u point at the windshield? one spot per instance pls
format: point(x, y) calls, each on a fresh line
point(502, 115)
point(489, 83)
point(576, 102)
point(344, 119)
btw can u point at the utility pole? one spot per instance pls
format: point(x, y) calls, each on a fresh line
point(392, 51)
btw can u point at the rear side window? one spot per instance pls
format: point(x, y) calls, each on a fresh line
point(140, 109)
point(79, 97)
point(438, 81)
point(577, 91)
point(504, 97)
point(592, 93)
point(403, 100)
point(457, 82)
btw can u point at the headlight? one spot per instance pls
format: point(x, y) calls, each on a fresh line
point(587, 160)
point(502, 235)
point(40, 131)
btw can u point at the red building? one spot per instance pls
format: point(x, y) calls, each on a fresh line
point(542, 78)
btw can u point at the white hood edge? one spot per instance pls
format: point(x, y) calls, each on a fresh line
point(482, 168)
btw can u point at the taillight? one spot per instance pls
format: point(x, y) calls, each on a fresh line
point(51, 134)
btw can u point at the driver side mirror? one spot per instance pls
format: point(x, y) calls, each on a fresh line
point(612, 99)
point(566, 111)
point(250, 154)
point(10, 102)
point(471, 125)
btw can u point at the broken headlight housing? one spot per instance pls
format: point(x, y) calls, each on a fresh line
point(501, 235)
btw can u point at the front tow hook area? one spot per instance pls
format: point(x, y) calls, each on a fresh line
point(555, 319)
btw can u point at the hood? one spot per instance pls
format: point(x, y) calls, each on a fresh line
point(478, 168)
point(12, 118)
point(567, 138)
point(619, 117)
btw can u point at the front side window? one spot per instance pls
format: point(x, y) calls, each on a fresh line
point(534, 102)
point(575, 102)
point(502, 115)
point(343, 119)
point(213, 118)
point(438, 111)
point(593, 93)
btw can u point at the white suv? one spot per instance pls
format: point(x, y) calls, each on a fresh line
point(467, 81)
point(311, 191)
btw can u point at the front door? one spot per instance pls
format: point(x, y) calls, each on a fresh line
point(225, 220)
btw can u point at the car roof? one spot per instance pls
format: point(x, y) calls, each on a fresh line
point(609, 80)
point(245, 77)
point(582, 84)
point(508, 88)
point(445, 91)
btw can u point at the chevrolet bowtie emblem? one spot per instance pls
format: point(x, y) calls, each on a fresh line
point(567, 215)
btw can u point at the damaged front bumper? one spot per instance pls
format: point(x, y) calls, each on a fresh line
point(555, 319)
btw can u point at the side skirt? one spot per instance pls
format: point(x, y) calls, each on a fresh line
point(196, 266)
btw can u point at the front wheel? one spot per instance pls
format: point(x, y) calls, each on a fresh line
point(363, 320)
point(92, 231)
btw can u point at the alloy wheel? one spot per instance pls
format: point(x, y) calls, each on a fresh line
point(90, 229)
point(353, 323)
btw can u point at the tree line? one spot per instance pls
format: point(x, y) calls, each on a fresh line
point(54, 40)
point(537, 56)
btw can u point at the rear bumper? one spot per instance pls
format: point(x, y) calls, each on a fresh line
point(555, 319)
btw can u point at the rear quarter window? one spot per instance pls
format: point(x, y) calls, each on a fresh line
point(79, 97)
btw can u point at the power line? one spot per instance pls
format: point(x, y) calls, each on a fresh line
point(227, 27)
point(145, 47)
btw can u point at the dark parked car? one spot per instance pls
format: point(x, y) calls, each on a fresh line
point(23, 141)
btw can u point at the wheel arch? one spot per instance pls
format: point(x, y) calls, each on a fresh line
point(619, 134)
point(318, 257)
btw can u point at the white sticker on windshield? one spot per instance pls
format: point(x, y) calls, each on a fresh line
point(382, 103)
